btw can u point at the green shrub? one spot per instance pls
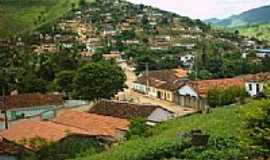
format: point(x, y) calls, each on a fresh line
point(258, 127)
point(138, 128)
point(220, 97)
point(70, 147)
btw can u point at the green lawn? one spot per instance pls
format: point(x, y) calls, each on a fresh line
point(18, 16)
point(224, 122)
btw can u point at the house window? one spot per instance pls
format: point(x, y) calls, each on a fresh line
point(250, 87)
point(168, 96)
point(257, 88)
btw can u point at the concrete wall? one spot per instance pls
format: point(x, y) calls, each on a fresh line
point(28, 112)
point(139, 87)
point(192, 102)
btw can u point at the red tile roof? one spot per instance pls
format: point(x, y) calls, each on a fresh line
point(168, 79)
point(123, 109)
point(203, 86)
point(32, 100)
point(93, 123)
point(68, 123)
point(29, 129)
point(259, 77)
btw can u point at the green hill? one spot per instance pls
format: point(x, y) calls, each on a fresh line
point(261, 32)
point(222, 122)
point(17, 16)
point(251, 17)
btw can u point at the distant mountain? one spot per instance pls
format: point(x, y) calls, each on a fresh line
point(251, 17)
point(212, 20)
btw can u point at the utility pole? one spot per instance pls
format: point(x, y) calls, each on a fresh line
point(196, 66)
point(147, 77)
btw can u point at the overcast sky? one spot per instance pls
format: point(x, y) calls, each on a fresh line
point(205, 9)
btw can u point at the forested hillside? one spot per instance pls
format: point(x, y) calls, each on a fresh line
point(251, 17)
point(17, 16)
point(261, 32)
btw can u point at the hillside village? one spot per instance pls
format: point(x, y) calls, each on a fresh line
point(90, 78)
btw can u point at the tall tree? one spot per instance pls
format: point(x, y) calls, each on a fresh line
point(98, 80)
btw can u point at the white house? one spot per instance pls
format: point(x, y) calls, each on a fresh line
point(263, 53)
point(162, 83)
point(254, 88)
point(186, 59)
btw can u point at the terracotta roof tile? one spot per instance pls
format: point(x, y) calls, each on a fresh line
point(169, 79)
point(93, 123)
point(122, 109)
point(68, 123)
point(256, 77)
point(203, 86)
point(32, 100)
point(29, 129)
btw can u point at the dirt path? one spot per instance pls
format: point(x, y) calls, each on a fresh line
point(136, 97)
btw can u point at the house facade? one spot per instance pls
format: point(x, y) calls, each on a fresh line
point(263, 53)
point(254, 88)
point(160, 84)
point(193, 93)
point(255, 83)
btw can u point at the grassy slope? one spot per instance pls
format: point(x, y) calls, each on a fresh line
point(226, 122)
point(18, 16)
point(261, 32)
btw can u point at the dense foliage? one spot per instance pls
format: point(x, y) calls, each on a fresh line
point(214, 62)
point(220, 97)
point(258, 126)
point(70, 147)
point(98, 80)
point(137, 128)
point(260, 31)
point(64, 71)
